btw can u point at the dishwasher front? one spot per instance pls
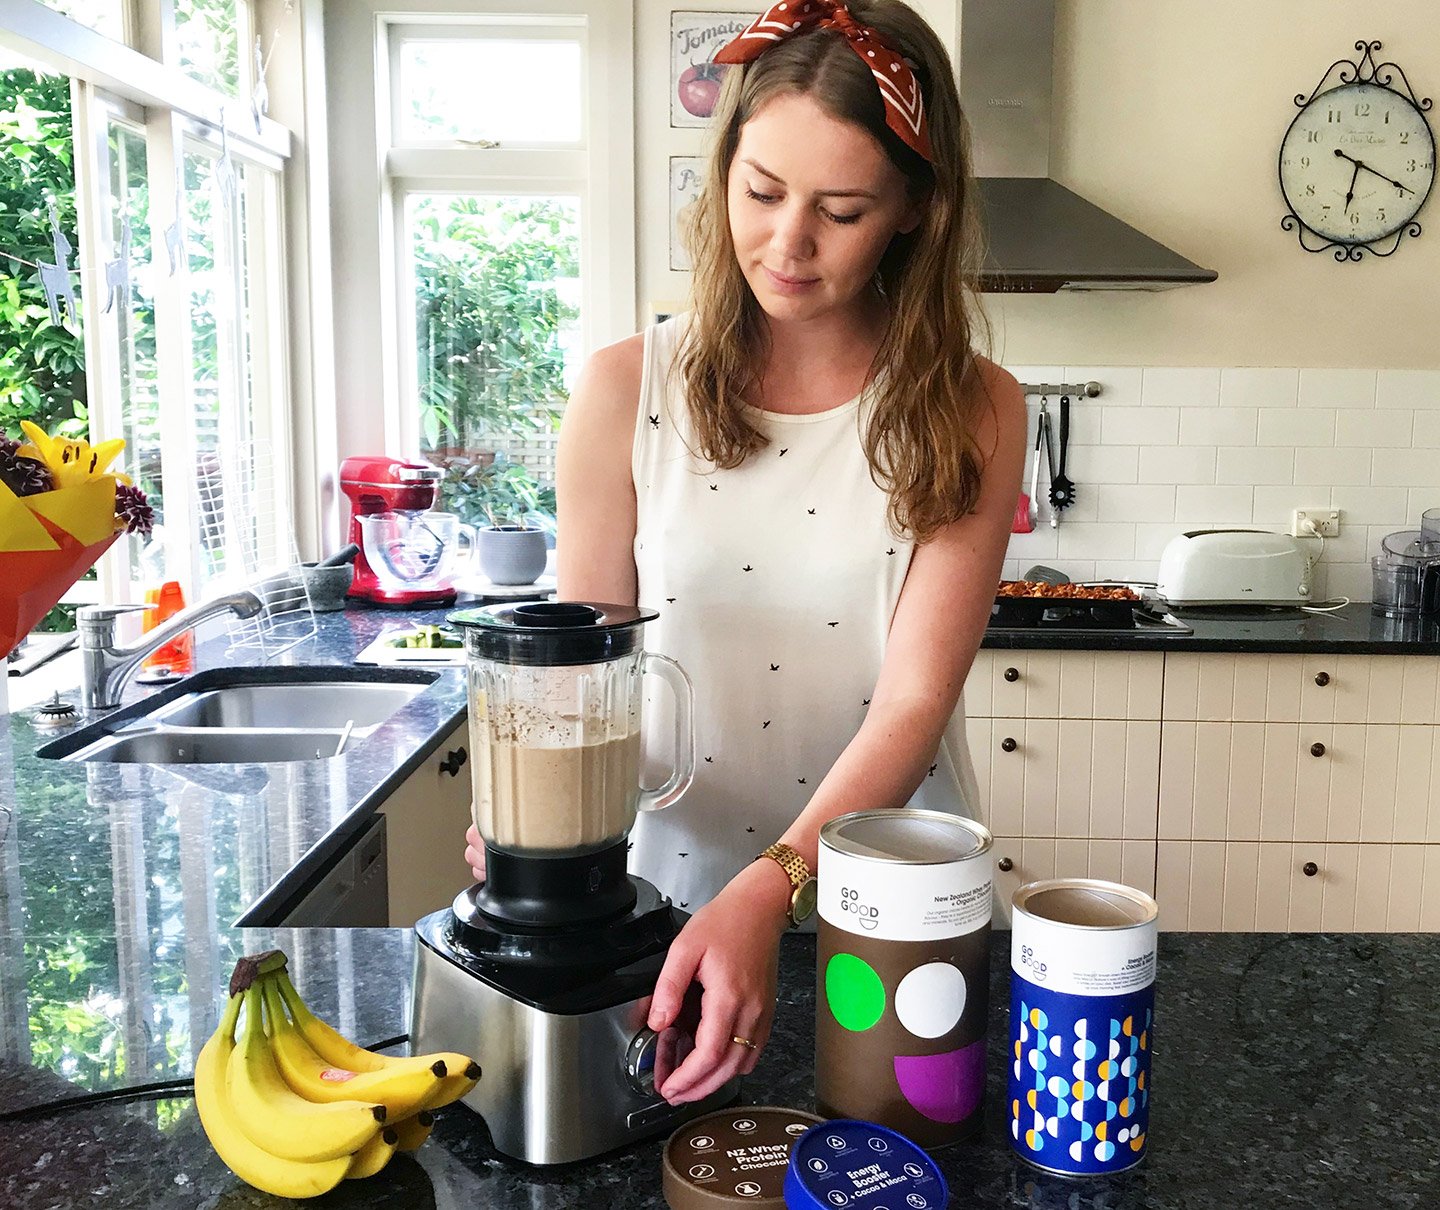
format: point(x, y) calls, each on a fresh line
point(352, 892)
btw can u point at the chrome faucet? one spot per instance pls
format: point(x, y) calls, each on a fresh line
point(106, 665)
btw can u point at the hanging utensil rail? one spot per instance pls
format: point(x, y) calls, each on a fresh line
point(1088, 389)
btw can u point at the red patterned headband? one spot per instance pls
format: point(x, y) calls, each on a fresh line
point(904, 106)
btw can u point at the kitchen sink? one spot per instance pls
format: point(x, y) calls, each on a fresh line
point(247, 715)
point(320, 706)
point(210, 746)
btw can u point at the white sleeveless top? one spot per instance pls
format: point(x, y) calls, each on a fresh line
point(776, 583)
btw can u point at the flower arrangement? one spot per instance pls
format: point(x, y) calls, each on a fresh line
point(60, 509)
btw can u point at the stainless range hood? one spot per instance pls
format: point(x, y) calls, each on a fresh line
point(1042, 236)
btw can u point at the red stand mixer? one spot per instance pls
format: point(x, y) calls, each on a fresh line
point(402, 491)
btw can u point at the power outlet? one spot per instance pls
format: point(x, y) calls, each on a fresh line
point(1325, 520)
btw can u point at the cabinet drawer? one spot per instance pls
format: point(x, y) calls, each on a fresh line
point(1083, 778)
point(1018, 860)
point(1270, 887)
point(1064, 684)
point(1302, 688)
point(1299, 781)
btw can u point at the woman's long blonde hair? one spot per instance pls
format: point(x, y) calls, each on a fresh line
point(919, 440)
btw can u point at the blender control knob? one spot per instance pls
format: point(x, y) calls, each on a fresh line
point(640, 1062)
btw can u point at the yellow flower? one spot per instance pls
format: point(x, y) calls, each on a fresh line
point(71, 462)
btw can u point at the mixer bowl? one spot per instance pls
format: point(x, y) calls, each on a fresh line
point(410, 550)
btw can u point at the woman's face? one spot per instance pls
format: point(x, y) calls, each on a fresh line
point(814, 202)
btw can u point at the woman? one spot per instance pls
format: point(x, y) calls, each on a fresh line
point(815, 488)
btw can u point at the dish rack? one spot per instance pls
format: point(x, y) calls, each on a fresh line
point(248, 541)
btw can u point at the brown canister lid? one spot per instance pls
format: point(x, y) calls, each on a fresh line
point(736, 1157)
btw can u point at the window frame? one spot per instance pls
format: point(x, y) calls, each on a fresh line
point(599, 170)
point(111, 81)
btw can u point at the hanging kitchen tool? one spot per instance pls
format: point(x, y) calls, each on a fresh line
point(1062, 490)
point(1027, 508)
point(1047, 439)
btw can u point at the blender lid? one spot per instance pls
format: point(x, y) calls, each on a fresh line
point(552, 632)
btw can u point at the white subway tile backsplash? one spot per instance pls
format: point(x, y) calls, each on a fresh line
point(1189, 387)
point(1140, 426)
point(1331, 467)
point(1123, 502)
point(1103, 463)
point(1293, 427)
point(1119, 385)
point(1218, 426)
point(1091, 540)
point(1259, 388)
point(1370, 506)
point(1268, 465)
point(1177, 464)
point(1154, 456)
point(1273, 505)
point(1404, 468)
point(1337, 388)
point(1427, 430)
point(1393, 429)
point(1418, 390)
point(1214, 505)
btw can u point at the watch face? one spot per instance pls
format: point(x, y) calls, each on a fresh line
point(802, 906)
point(1357, 163)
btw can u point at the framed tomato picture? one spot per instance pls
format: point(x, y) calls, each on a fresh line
point(695, 78)
point(686, 177)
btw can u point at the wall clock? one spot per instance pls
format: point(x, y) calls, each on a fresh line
point(1358, 161)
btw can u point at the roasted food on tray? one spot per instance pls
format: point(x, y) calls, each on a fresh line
point(1068, 592)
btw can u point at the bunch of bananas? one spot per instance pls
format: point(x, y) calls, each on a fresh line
point(293, 1107)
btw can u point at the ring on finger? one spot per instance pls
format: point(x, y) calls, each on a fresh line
point(745, 1042)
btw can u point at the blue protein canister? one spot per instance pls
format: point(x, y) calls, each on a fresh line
point(846, 1163)
point(1082, 1003)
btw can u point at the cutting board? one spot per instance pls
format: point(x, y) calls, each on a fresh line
point(380, 651)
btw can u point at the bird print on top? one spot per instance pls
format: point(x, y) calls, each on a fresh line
point(799, 551)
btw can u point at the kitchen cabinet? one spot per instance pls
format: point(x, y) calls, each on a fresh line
point(1249, 791)
point(1299, 792)
point(426, 820)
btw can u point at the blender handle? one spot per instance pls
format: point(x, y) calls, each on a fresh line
point(684, 771)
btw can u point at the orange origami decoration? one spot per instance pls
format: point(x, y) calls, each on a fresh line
point(50, 538)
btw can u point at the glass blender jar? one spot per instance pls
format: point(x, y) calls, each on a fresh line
point(556, 690)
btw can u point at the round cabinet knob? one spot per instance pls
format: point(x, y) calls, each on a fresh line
point(1317, 749)
point(453, 760)
point(1008, 744)
point(1322, 679)
point(1012, 675)
point(1309, 869)
point(1005, 865)
point(640, 1062)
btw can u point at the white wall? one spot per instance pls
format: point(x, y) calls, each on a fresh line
point(1291, 382)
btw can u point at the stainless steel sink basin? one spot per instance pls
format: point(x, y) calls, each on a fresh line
point(210, 746)
point(247, 716)
point(319, 706)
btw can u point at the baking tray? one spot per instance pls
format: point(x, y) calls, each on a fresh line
point(1069, 613)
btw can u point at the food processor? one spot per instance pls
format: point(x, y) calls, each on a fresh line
point(544, 971)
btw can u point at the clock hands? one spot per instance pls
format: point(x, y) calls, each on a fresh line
point(1359, 164)
point(1354, 176)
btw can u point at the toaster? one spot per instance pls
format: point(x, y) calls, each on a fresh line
point(1234, 567)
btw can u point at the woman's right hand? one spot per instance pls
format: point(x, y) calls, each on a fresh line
point(475, 853)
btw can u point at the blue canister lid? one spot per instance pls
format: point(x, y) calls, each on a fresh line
point(862, 1165)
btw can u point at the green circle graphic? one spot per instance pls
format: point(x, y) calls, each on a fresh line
point(854, 991)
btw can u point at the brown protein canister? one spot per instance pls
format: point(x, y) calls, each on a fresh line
point(731, 1158)
point(903, 972)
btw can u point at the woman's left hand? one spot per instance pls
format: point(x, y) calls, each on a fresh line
point(731, 948)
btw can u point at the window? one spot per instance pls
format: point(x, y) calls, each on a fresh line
point(509, 233)
point(174, 210)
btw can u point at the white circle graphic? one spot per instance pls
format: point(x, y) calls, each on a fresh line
point(702, 1172)
point(701, 1141)
point(930, 999)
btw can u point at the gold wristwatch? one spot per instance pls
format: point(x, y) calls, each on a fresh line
point(802, 883)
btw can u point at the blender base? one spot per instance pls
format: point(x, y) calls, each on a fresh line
point(555, 1086)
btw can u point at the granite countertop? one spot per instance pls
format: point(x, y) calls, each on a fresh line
point(1288, 1070)
point(83, 836)
point(1351, 630)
